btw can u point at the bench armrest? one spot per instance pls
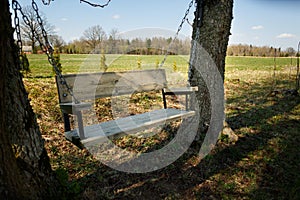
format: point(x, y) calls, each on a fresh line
point(69, 108)
point(180, 91)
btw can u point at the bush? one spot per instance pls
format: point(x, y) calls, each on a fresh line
point(24, 64)
point(103, 65)
point(139, 63)
point(56, 56)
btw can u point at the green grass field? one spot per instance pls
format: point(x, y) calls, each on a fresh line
point(90, 62)
point(72, 63)
point(262, 164)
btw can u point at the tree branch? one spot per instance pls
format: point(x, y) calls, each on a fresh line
point(47, 2)
point(96, 5)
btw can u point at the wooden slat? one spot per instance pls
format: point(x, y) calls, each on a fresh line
point(129, 125)
point(181, 90)
point(71, 108)
point(97, 85)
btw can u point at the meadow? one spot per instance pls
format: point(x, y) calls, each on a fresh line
point(72, 63)
point(263, 162)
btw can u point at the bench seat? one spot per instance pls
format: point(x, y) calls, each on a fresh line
point(95, 134)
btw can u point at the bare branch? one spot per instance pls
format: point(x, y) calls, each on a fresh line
point(96, 5)
point(47, 2)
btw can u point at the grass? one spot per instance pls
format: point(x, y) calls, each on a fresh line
point(72, 63)
point(259, 63)
point(262, 164)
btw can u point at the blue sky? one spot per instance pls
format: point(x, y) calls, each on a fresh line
point(266, 22)
point(258, 22)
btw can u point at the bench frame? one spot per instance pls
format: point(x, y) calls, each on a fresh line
point(92, 86)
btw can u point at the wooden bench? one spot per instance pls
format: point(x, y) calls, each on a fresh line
point(91, 86)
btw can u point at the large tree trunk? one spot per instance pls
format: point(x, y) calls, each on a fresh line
point(25, 172)
point(211, 30)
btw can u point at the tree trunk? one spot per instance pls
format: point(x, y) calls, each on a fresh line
point(211, 30)
point(25, 171)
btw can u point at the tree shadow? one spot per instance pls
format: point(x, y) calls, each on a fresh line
point(267, 127)
point(281, 175)
point(277, 138)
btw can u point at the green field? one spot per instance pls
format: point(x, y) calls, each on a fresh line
point(91, 62)
point(72, 63)
point(262, 164)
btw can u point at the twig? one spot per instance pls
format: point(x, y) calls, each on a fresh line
point(96, 5)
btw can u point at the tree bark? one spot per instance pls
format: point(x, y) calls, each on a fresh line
point(25, 171)
point(211, 30)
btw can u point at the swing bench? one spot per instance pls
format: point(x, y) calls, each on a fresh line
point(91, 86)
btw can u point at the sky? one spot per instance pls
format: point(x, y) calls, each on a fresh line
point(273, 23)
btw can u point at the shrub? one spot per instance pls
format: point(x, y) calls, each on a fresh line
point(24, 64)
point(139, 63)
point(56, 56)
point(103, 65)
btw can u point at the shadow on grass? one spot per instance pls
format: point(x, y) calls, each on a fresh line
point(262, 164)
point(280, 177)
point(271, 148)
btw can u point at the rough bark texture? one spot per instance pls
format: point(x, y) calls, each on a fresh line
point(25, 171)
point(211, 30)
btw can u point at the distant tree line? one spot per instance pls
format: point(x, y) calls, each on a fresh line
point(261, 51)
point(148, 46)
point(96, 40)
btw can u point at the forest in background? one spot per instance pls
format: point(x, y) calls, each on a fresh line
point(157, 46)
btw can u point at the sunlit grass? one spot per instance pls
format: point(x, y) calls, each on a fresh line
point(262, 164)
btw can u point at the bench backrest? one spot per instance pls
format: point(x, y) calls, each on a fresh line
point(89, 86)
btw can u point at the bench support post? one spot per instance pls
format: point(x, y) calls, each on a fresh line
point(67, 125)
point(164, 99)
point(186, 102)
point(80, 124)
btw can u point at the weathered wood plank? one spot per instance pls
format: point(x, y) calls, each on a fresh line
point(129, 125)
point(71, 108)
point(98, 85)
point(181, 90)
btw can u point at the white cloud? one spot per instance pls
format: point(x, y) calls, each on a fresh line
point(74, 38)
point(56, 29)
point(116, 17)
point(286, 35)
point(259, 27)
point(64, 19)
